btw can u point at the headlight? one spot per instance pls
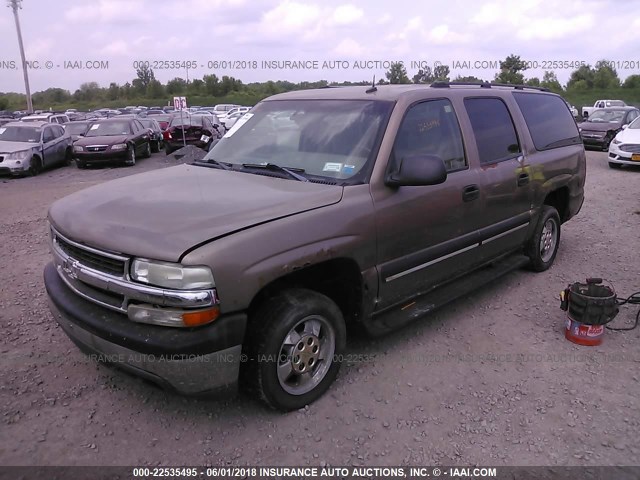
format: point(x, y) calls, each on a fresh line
point(78, 148)
point(171, 275)
point(22, 154)
point(616, 141)
point(119, 146)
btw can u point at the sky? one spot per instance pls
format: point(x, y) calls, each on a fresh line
point(70, 42)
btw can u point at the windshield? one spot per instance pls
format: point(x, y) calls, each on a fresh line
point(611, 116)
point(76, 128)
point(109, 128)
point(148, 123)
point(20, 134)
point(328, 138)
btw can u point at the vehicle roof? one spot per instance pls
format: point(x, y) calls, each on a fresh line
point(18, 123)
point(616, 109)
point(119, 118)
point(395, 92)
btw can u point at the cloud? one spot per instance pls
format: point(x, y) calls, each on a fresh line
point(441, 35)
point(290, 16)
point(384, 19)
point(348, 48)
point(38, 48)
point(347, 14)
point(117, 48)
point(111, 11)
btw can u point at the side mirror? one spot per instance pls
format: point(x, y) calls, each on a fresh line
point(417, 170)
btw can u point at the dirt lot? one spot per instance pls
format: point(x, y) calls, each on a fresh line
point(489, 380)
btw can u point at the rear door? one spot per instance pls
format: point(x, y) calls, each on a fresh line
point(48, 146)
point(427, 234)
point(506, 180)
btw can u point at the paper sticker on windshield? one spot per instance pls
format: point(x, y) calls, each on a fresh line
point(94, 126)
point(348, 169)
point(332, 167)
point(240, 122)
point(204, 138)
point(2, 130)
point(447, 108)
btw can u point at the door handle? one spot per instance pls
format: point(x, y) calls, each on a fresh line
point(470, 192)
point(523, 179)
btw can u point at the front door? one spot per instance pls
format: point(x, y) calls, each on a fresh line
point(427, 234)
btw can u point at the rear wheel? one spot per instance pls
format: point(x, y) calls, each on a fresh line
point(543, 246)
point(35, 166)
point(146, 153)
point(294, 349)
point(614, 165)
point(155, 146)
point(68, 157)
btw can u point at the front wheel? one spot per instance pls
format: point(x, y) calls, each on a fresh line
point(294, 348)
point(131, 156)
point(35, 166)
point(543, 246)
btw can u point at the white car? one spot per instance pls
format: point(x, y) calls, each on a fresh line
point(625, 147)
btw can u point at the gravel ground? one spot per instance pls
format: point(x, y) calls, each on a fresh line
point(488, 380)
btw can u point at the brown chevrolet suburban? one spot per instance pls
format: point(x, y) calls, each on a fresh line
point(320, 209)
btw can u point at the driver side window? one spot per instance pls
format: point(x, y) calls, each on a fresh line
point(48, 135)
point(431, 128)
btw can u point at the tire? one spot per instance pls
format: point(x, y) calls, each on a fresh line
point(131, 156)
point(68, 157)
point(147, 150)
point(543, 245)
point(614, 165)
point(35, 166)
point(156, 146)
point(606, 142)
point(297, 331)
point(81, 164)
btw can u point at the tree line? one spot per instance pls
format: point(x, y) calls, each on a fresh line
point(585, 85)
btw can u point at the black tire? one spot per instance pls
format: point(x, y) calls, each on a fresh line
point(606, 142)
point(543, 245)
point(131, 156)
point(147, 150)
point(155, 146)
point(81, 164)
point(68, 157)
point(615, 165)
point(35, 166)
point(297, 331)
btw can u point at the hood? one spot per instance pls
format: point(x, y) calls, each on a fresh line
point(9, 147)
point(598, 126)
point(162, 214)
point(629, 135)
point(102, 140)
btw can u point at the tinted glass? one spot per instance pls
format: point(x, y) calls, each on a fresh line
point(493, 128)
point(48, 135)
point(431, 128)
point(548, 119)
point(108, 128)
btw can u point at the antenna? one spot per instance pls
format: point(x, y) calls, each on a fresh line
point(373, 86)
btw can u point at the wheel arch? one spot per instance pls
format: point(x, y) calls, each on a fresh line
point(559, 199)
point(340, 279)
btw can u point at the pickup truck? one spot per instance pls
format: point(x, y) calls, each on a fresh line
point(321, 212)
point(586, 111)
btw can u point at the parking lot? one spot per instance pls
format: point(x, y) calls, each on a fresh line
point(488, 380)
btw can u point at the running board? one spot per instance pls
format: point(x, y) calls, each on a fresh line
point(400, 315)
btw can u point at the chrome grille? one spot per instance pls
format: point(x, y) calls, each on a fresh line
point(91, 258)
point(96, 148)
point(630, 147)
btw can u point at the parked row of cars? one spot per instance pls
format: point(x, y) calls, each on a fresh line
point(614, 129)
point(32, 143)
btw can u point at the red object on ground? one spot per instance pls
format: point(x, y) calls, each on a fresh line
point(588, 335)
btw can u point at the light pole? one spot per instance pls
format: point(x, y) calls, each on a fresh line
point(15, 5)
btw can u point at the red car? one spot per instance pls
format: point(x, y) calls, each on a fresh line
point(188, 129)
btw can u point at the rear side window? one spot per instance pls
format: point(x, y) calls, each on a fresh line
point(493, 128)
point(549, 120)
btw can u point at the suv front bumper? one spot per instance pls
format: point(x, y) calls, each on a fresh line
point(190, 361)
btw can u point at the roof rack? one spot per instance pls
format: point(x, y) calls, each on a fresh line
point(441, 84)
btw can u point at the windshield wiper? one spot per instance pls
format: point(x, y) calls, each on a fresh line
point(272, 166)
point(211, 161)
